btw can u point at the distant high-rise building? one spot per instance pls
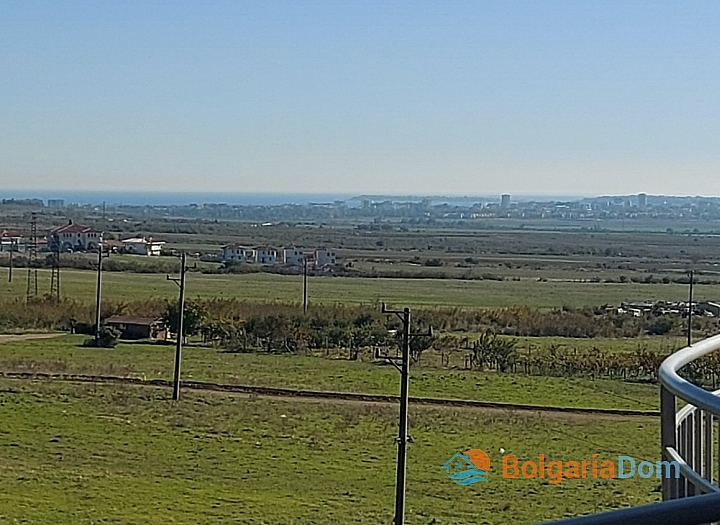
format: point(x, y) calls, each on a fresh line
point(642, 200)
point(56, 203)
point(505, 200)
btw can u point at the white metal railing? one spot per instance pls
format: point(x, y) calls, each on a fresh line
point(689, 436)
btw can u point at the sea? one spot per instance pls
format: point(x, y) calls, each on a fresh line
point(244, 199)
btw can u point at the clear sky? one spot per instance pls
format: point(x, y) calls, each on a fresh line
point(437, 97)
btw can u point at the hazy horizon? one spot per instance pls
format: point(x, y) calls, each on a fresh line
point(457, 98)
point(158, 198)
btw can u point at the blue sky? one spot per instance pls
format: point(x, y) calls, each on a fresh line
point(361, 97)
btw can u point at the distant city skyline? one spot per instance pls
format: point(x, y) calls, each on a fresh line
point(453, 98)
point(272, 199)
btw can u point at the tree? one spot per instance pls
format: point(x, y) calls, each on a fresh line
point(193, 321)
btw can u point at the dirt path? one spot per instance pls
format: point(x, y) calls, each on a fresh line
point(339, 397)
point(6, 338)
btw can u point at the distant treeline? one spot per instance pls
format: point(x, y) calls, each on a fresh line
point(430, 269)
point(216, 315)
point(482, 339)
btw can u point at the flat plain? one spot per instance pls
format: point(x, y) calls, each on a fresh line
point(263, 287)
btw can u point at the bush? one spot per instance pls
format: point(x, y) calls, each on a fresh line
point(108, 338)
point(660, 327)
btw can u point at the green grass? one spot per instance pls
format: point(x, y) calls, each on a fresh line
point(104, 454)
point(120, 286)
point(64, 355)
point(610, 345)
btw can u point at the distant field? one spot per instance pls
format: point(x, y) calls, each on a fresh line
point(105, 454)
point(119, 286)
point(64, 355)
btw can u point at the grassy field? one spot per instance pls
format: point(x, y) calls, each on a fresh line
point(105, 454)
point(65, 355)
point(121, 286)
point(663, 344)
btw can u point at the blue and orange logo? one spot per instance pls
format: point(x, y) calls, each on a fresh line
point(468, 467)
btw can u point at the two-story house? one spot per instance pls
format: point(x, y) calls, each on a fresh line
point(265, 255)
point(293, 256)
point(325, 257)
point(73, 237)
point(236, 253)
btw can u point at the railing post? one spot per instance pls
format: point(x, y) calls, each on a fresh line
point(667, 438)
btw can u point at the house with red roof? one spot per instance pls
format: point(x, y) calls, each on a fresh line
point(74, 237)
point(9, 240)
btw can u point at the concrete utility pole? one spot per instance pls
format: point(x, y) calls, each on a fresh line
point(181, 328)
point(305, 265)
point(690, 309)
point(97, 296)
point(12, 248)
point(403, 438)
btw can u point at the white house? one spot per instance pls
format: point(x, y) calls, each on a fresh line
point(265, 255)
point(74, 237)
point(237, 253)
point(142, 246)
point(325, 257)
point(293, 256)
point(9, 240)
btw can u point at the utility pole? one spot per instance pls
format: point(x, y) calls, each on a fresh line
point(305, 265)
point(97, 297)
point(55, 273)
point(181, 329)
point(12, 249)
point(690, 309)
point(403, 438)
point(32, 284)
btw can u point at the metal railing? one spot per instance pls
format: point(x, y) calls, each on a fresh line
point(690, 437)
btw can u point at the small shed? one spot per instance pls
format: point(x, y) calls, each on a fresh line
point(138, 327)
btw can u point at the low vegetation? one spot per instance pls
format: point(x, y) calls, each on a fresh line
point(92, 453)
point(321, 372)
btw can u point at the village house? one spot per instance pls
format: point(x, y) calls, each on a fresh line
point(9, 240)
point(265, 255)
point(142, 246)
point(293, 256)
point(290, 256)
point(72, 237)
point(325, 258)
point(236, 253)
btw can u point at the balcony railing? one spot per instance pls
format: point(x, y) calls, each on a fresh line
point(691, 437)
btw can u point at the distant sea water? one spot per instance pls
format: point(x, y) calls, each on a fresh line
point(244, 199)
point(174, 199)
